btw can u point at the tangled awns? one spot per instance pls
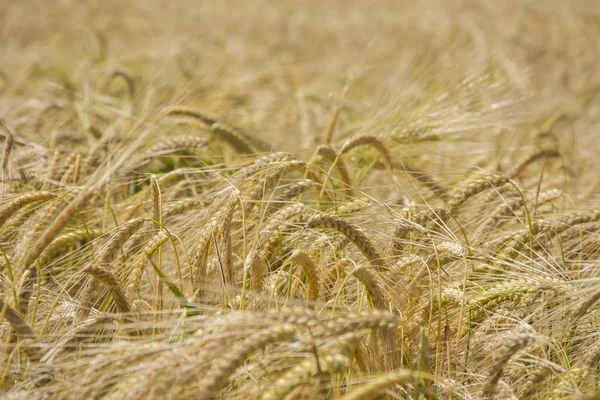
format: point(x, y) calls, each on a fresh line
point(299, 200)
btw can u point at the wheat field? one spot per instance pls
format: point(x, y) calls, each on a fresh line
point(299, 200)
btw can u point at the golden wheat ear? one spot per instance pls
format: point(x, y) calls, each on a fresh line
point(514, 343)
point(169, 146)
point(239, 141)
point(310, 272)
point(224, 366)
point(23, 200)
point(256, 259)
point(352, 232)
point(114, 286)
point(129, 82)
point(378, 384)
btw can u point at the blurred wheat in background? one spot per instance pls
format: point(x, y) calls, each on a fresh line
point(299, 200)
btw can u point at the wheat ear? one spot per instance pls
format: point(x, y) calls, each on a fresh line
point(138, 265)
point(427, 180)
point(188, 112)
point(171, 210)
point(113, 284)
point(71, 175)
point(46, 231)
point(352, 232)
point(511, 206)
point(163, 180)
point(369, 140)
point(15, 321)
point(255, 259)
point(512, 290)
point(333, 362)
point(330, 154)
point(270, 180)
point(372, 287)
point(109, 252)
point(334, 119)
point(457, 200)
point(66, 240)
point(401, 230)
point(205, 238)
point(181, 206)
point(223, 367)
point(368, 320)
point(310, 271)
point(290, 193)
point(477, 186)
point(128, 81)
point(77, 335)
point(67, 165)
point(258, 165)
point(20, 202)
point(513, 343)
point(520, 167)
point(169, 146)
point(585, 305)
point(52, 169)
point(237, 140)
point(515, 242)
point(374, 387)
point(4, 161)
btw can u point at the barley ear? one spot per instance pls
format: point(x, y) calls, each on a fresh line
point(223, 367)
point(15, 321)
point(514, 343)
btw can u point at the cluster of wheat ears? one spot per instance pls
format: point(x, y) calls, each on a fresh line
point(221, 226)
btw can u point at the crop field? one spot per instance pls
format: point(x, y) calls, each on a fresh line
point(299, 199)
